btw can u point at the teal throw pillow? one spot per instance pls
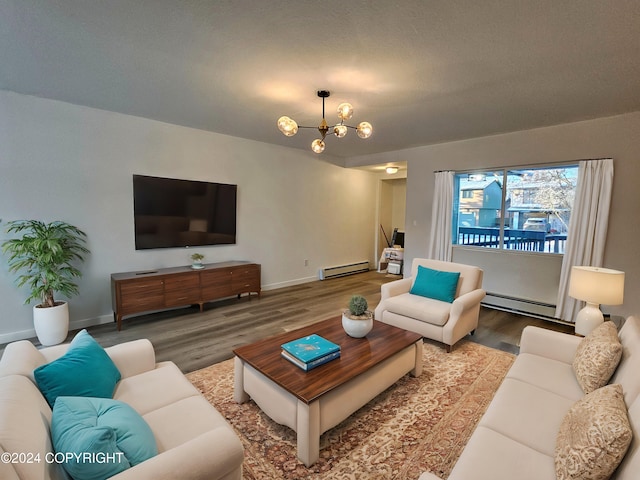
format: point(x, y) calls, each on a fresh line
point(435, 284)
point(97, 438)
point(84, 371)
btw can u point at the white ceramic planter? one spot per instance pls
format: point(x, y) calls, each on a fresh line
point(357, 328)
point(51, 324)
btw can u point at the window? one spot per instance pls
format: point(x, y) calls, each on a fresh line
point(516, 209)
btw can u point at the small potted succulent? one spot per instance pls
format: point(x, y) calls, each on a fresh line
point(357, 321)
point(196, 260)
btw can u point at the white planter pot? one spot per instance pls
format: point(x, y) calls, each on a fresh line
point(357, 328)
point(51, 324)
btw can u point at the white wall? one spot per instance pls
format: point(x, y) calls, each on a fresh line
point(616, 137)
point(399, 203)
point(385, 216)
point(64, 162)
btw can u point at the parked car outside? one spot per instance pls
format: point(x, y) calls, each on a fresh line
point(537, 224)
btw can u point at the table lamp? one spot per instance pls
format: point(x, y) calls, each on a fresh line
point(596, 286)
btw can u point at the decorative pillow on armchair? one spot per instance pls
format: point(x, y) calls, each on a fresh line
point(435, 284)
point(597, 357)
point(85, 370)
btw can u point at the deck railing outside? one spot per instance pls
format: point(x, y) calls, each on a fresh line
point(527, 240)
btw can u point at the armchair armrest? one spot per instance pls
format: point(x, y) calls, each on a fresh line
point(214, 454)
point(133, 358)
point(395, 288)
point(466, 302)
point(463, 317)
point(549, 344)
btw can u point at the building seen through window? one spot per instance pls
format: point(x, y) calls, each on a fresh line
point(516, 209)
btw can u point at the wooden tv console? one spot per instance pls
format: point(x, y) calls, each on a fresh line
point(144, 291)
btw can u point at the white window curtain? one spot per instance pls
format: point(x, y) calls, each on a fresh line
point(587, 228)
point(441, 217)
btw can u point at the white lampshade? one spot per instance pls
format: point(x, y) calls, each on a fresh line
point(596, 286)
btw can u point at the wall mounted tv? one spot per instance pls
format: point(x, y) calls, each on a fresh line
point(182, 213)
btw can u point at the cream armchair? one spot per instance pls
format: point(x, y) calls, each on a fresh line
point(435, 319)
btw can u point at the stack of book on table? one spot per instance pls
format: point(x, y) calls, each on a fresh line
point(310, 352)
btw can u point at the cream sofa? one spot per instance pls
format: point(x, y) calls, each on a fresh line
point(516, 437)
point(194, 441)
point(434, 319)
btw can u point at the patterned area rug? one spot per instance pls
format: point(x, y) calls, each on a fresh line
point(419, 424)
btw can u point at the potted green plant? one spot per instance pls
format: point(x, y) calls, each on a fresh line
point(357, 320)
point(196, 260)
point(44, 255)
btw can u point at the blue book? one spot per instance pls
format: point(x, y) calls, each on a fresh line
point(306, 366)
point(310, 348)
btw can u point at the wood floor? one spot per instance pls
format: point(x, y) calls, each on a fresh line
point(194, 340)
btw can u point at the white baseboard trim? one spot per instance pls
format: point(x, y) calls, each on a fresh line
point(73, 325)
point(15, 336)
point(89, 322)
point(289, 283)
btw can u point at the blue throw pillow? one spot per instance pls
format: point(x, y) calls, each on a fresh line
point(97, 438)
point(84, 371)
point(435, 284)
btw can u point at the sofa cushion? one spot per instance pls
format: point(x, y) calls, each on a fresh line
point(85, 370)
point(420, 308)
point(548, 374)
point(183, 420)
point(148, 391)
point(435, 284)
point(527, 414)
point(107, 430)
point(594, 436)
point(597, 357)
point(490, 455)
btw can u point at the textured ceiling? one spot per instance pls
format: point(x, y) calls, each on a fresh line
point(421, 72)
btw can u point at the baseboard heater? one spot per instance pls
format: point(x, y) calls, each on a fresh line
point(342, 270)
point(522, 306)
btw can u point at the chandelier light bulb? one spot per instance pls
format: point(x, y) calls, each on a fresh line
point(317, 146)
point(287, 126)
point(345, 111)
point(364, 129)
point(340, 130)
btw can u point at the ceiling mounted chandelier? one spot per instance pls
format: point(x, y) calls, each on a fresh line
point(289, 127)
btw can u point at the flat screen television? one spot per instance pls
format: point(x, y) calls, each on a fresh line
point(170, 212)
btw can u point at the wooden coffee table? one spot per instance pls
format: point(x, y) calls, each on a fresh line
point(310, 403)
